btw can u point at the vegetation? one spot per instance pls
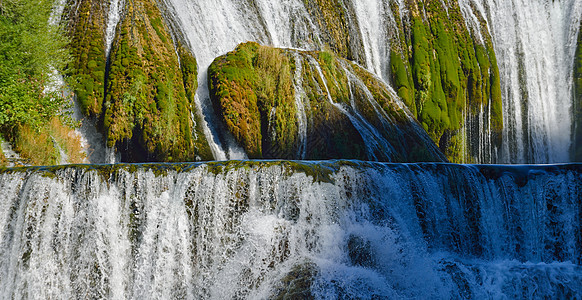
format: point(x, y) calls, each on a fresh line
point(253, 89)
point(148, 104)
point(144, 108)
point(86, 22)
point(333, 23)
point(444, 75)
point(32, 50)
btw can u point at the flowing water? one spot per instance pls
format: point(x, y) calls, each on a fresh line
point(214, 28)
point(300, 99)
point(264, 229)
point(113, 18)
point(534, 43)
point(336, 229)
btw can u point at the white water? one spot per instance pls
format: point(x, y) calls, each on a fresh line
point(11, 156)
point(376, 145)
point(370, 15)
point(251, 229)
point(535, 43)
point(113, 17)
point(214, 28)
point(300, 99)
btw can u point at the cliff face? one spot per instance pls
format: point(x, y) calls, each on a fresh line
point(293, 104)
point(445, 73)
point(87, 22)
point(142, 95)
point(149, 106)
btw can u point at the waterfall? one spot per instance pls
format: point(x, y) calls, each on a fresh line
point(12, 157)
point(534, 43)
point(300, 99)
point(214, 28)
point(377, 147)
point(113, 17)
point(370, 16)
point(337, 229)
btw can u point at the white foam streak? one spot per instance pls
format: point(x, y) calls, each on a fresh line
point(300, 99)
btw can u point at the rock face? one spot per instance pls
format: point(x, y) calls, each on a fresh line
point(281, 103)
point(86, 25)
point(443, 68)
point(287, 107)
point(142, 92)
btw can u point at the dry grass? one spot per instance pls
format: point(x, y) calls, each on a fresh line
point(68, 140)
point(41, 147)
point(36, 147)
point(3, 160)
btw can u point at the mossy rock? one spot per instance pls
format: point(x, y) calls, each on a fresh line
point(254, 90)
point(86, 27)
point(145, 109)
point(297, 283)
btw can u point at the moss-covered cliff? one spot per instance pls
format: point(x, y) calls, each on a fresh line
point(149, 105)
point(577, 138)
point(143, 98)
point(446, 75)
point(265, 95)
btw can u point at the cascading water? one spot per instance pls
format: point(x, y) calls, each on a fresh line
point(214, 28)
point(373, 140)
point(534, 43)
point(338, 229)
point(113, 17)
point(273, 229)
point(299, 103)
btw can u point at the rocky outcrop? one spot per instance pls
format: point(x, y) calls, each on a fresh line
point(281, 103)
point(143, 97)
point(444, 69)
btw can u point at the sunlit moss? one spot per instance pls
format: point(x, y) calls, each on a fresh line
point(144, 107)
point(453, 75)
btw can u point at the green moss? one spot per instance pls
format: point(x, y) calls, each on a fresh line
point(86, 28)
point(147, 108)
point(252, 87)
point(400, 77)
point(333, 21)
point(447, 72)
